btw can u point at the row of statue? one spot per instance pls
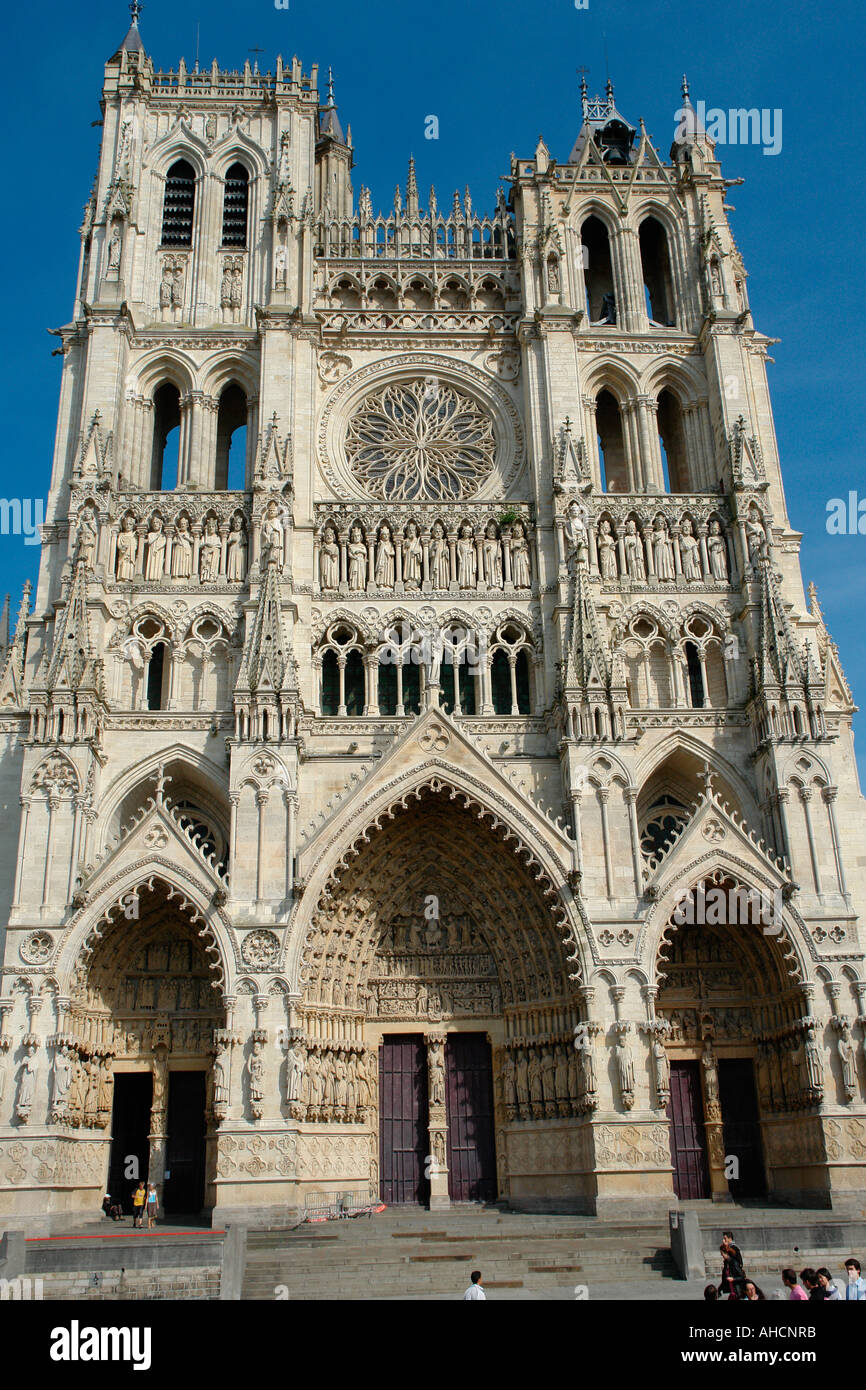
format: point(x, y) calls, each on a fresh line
point(179, 552)
point(661, 555)
point(81, 1086)
point(417, 557)
point(545, 1081)
point(323, 1082)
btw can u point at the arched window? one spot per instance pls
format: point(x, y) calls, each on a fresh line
point(696, 675)
point(165, 458)
point(235, 204)
point(411, 686)
point(611, 444)
point(230, 470)
point(672, 436)
point(656, 266)
point(330, 683)
point(500, 682)
point(597, 272)
point(457, 670)
point(156, 672)
point(354, 682)
point(387, 687)
point(178, 205)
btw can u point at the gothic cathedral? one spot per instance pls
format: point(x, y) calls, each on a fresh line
point(434, 784)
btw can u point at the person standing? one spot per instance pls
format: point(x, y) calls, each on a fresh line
point(796, 1292)
point(733, 1280)
point(475, 1289)
point(139, 1197)
point(811, 1283)
point(152, 1206)
point(829, 1285)
point(855, 1289)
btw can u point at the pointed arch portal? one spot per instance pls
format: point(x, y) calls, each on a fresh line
point(437, 943)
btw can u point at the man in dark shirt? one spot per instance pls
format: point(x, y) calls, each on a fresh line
point(733, 1279)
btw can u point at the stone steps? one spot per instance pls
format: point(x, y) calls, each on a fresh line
point(395, 1253)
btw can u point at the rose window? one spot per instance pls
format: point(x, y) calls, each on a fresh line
point(420, 441)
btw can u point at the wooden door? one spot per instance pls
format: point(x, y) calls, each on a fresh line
point(469, 1097)
point(130, 1126)
point(688, 1134)
point(185, 1151)
point(741, 1127)
point(403, 1120)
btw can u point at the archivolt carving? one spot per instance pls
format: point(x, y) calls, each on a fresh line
point(369, 924)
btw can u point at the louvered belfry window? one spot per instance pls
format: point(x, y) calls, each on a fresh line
point(235, 207)
point(179, 204)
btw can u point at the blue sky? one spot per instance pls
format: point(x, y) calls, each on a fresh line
point(497, 76)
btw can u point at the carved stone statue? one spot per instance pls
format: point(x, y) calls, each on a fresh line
point(236, 552)
point(690, 553)
point(155, 562)
point(440, 559)
point(127, 547)
point(385, 563)
point(625, 1069)
point(181, 550)
point(329, 560)
point(27, 1077)
point(220, 1078)
point(575, 527)
point(845, 1049)
point(606, 551)
point(467, 560)
point(520, 569)
point(717, 552)
point(663, 550)
point(357, 561)
point(633, 547)
point(813, 1058)
point(256, 1073)
point(437, 1073)
point(412, 557)
point(492, 554)
point(87, 537)
point(209, 552)
point(294, 1071)
point(62, 1082)
point(273, 537)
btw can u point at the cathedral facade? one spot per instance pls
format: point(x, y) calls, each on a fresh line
point(434, 783)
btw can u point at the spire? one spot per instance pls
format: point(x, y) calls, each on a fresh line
point(781, 658)
point(685, 91)
point(265, 664)
point(72, 655)
point(412, 189)
point(12, 670)
point(4, 626)
point(587, 663)
point(329, 121)
point(132, 43)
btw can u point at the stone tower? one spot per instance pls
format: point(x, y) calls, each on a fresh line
point(419, 729)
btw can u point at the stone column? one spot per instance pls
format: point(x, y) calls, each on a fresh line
point(438, 1123)
point(713, 1122)
point(158, 1136)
